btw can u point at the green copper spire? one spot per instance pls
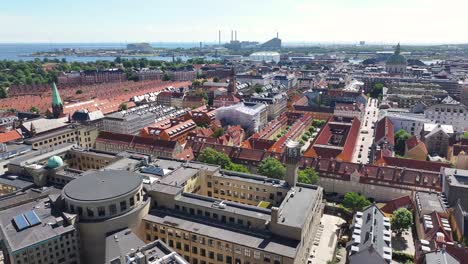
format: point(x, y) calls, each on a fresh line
point(397, 49)
point(56, 100)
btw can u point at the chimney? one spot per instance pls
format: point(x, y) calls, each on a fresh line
point(232, 35)
point(219, 37)
point(235, 36)
point(274, 214)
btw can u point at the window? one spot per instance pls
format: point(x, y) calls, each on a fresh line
point(211, 254)
point(123, 205)
point(247, 252)
point(202, 252)
point(112, 209)
point(101, 211)
point(90, 212)
point(257, 254)
point(219, 257)
point(132, 201)
point(194, 250)
point(171, 243)
point(186, 248)
point(266, 258)
point(178, 245)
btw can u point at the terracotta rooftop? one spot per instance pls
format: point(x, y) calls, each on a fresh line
point(9, 136)
point(384, 130)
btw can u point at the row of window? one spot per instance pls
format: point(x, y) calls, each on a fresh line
point(202, 252)
point(214, 216)
point(100, 211)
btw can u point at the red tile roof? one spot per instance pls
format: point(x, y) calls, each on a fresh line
point(397, 203)
point(413, 164)
point(10, 136)
point(384, 131)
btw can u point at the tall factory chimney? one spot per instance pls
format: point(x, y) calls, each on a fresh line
point(219, 37)
point(232, 35)
point(235, 35)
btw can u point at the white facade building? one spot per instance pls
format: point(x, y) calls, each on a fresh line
point(412, 123)
point(449, 113)
point(251, 117)
point(266, 56)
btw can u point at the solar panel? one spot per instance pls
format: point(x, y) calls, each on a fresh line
point(32, 218)
point(20, 222)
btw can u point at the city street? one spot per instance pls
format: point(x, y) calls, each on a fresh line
point(366, 133)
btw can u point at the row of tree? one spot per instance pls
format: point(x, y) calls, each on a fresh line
point(269, 167)
point(35, 72)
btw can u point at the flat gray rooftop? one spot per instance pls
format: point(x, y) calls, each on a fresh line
point(429, 202)
point(458, 177)
point(102, 185)
point(294, 208)
point(281, 246)
point(119, 244)
point(29, 236)
point(233, 207)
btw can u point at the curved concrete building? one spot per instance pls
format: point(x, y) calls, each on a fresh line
point(105, 202)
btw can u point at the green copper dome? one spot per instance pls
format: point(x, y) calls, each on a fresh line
point(397, 58)
point(54, 162)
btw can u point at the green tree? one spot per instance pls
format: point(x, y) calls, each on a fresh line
point(258, 88)
point(123, 106)
point(308, 176)
point(218, 132)
point(402, 219)
point(79, 91)
point(355, 202)
point(211, 156)
point(400, 138)
point(166, 77)
point(318, 123)
point(272, 168)
point(215, 79)
point(237, 167)
point(196, 83)
point(34, 109)
point(3, 93)
point(377, 91)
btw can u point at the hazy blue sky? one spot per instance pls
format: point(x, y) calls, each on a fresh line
point(407, 21)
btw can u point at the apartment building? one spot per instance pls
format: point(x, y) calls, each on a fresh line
point(55, 240)
point(212, 216)
point(83, 136)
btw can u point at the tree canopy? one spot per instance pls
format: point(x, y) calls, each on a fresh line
point(355, 202)
point(402, 219)
point(400, 138)
point(211, 156)
point(308, 176)
point(272, 168)
point(377, 91)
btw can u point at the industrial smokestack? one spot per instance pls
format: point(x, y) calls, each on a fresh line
point(235, 35)
point(219, 37)
point(232, 35)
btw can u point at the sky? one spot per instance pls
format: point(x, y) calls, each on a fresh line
point(316, 21)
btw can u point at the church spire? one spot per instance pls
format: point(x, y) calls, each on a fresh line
point(56, 100)
point(232, 88)
point(397, 49)
point(57, 105)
